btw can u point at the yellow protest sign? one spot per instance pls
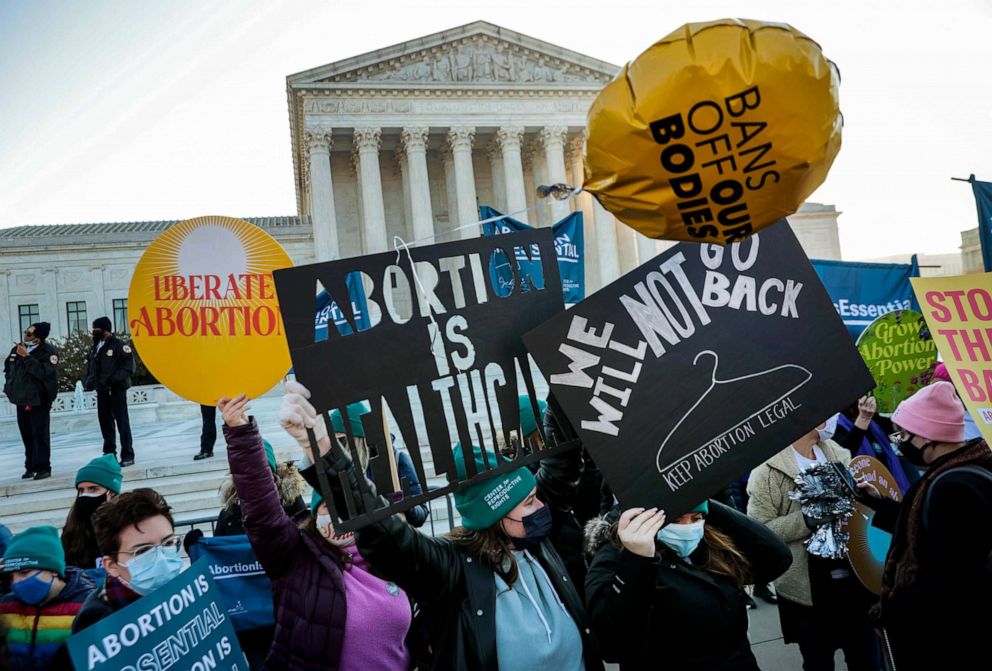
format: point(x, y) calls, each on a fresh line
point(203, 311)
point(958, 311)
point(716, 131)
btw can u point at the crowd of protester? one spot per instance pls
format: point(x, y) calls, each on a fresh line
point(546, 570)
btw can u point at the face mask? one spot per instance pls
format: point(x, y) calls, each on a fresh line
point(537, 527)
point(97, 336)
point(33, 590)
point(153, 569)
point(324, 526)
point(829, 430)
point(913, 454)
point(683, 538)
point(87, 504)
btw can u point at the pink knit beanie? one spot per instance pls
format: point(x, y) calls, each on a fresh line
point(934, 412)
point(940, 372)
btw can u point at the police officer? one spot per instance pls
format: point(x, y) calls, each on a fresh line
point(32, 384)
point(109, 371)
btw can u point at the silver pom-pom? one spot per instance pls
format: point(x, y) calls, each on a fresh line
point(826, 501)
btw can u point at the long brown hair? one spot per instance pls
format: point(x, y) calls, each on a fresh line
point(79, 540)
point(492, 546)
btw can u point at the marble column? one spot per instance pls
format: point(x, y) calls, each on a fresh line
point(606, 244)
point(583, 203)
point(510, 139)
point(404, 171)
point(460, 140)
point(626, 245)
point(323, 218)
point(98, 308)
point(495, 157)
point(553, 139)
point(7, 314)
point(367, 142)
point(414, 142)
point(448, 162)
point(50, 311)
point(647, 248)
point(530, 188)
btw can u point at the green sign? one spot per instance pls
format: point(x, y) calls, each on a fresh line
point(900, 354)
point(179, 626)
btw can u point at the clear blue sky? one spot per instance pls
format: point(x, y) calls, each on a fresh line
point(121, 111)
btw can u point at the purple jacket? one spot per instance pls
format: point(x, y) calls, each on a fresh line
point(307, 588)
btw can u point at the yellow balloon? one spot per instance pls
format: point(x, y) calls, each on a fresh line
point(203, 310)
point(715, 131)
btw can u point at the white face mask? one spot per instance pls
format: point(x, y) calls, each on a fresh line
point(327, 531)
point(827, 432)
point(683, 538)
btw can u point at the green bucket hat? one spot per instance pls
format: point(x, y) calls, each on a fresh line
point(485, 503)
point(104, 471)
point(355, 412)
point(35, 548)
point(529, 423)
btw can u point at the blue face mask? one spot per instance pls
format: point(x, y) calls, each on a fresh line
point(33, 590)
point(537, 527)
point(683, 538)
point(153, 569)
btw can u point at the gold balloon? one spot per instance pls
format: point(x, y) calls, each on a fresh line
point(714, 132)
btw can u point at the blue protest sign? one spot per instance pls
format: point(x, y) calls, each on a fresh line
point(328, 311)
point(569, 248)
point(181, 625)
point(245, 590)
point(862, 292)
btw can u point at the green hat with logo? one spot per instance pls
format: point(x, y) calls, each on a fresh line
point(529, 423)
point(35, 548)
point(485, 503)
point(104, 471)
point(355, 412)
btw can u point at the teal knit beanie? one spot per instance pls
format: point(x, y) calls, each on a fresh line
point(104, 471)
point(485, 503)
point(315, 500)
point(529, 423)
point(35, 548)
point(355, 412)
point(270, 455)
point(703, 508)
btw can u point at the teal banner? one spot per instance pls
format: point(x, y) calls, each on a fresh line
point(180, 626)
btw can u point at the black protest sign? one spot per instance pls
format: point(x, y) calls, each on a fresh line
point(699, 365)
point(439, 358)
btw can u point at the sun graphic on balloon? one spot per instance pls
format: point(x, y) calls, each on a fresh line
point(203, 309)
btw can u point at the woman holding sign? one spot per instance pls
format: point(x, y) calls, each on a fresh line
point(332, 610)
point(673, 597)
point(495, 593)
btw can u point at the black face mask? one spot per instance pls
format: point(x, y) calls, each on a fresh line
point(913, 454)
point(537, 527)
point(87, 505)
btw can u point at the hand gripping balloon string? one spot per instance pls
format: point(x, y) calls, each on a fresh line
point(556, 191)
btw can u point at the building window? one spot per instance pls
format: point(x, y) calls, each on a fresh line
point(28, 315)
point(75, 312)
point(120, 316)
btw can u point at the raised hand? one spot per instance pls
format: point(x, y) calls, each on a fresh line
point(233, 411)
point(297, 414)
point(867, 405)
point(638, 529)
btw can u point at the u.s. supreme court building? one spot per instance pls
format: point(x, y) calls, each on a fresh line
point(407, 141)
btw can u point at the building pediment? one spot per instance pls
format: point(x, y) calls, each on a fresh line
point(478, 54)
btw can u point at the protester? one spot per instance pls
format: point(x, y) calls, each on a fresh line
point(31, 383)
point(208, 432)
point(672, 597)
point(109, 370)
point(861, 432)
point(822, 605)
point(141, 552)
point(416, 515)
point(331, 609)
point(45, 596)
point(495, 593)
point(937, 581)
point(971, 429)
point(289, 484)
point(97, 482)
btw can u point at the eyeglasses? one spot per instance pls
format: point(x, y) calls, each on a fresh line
point(900, 436)
point(173, 543)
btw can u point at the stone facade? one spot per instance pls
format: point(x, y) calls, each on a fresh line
point(971, 252)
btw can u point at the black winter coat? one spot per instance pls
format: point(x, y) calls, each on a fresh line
point(458, 592)
point(31, 380)
point(663, 613)
point(111, 367)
